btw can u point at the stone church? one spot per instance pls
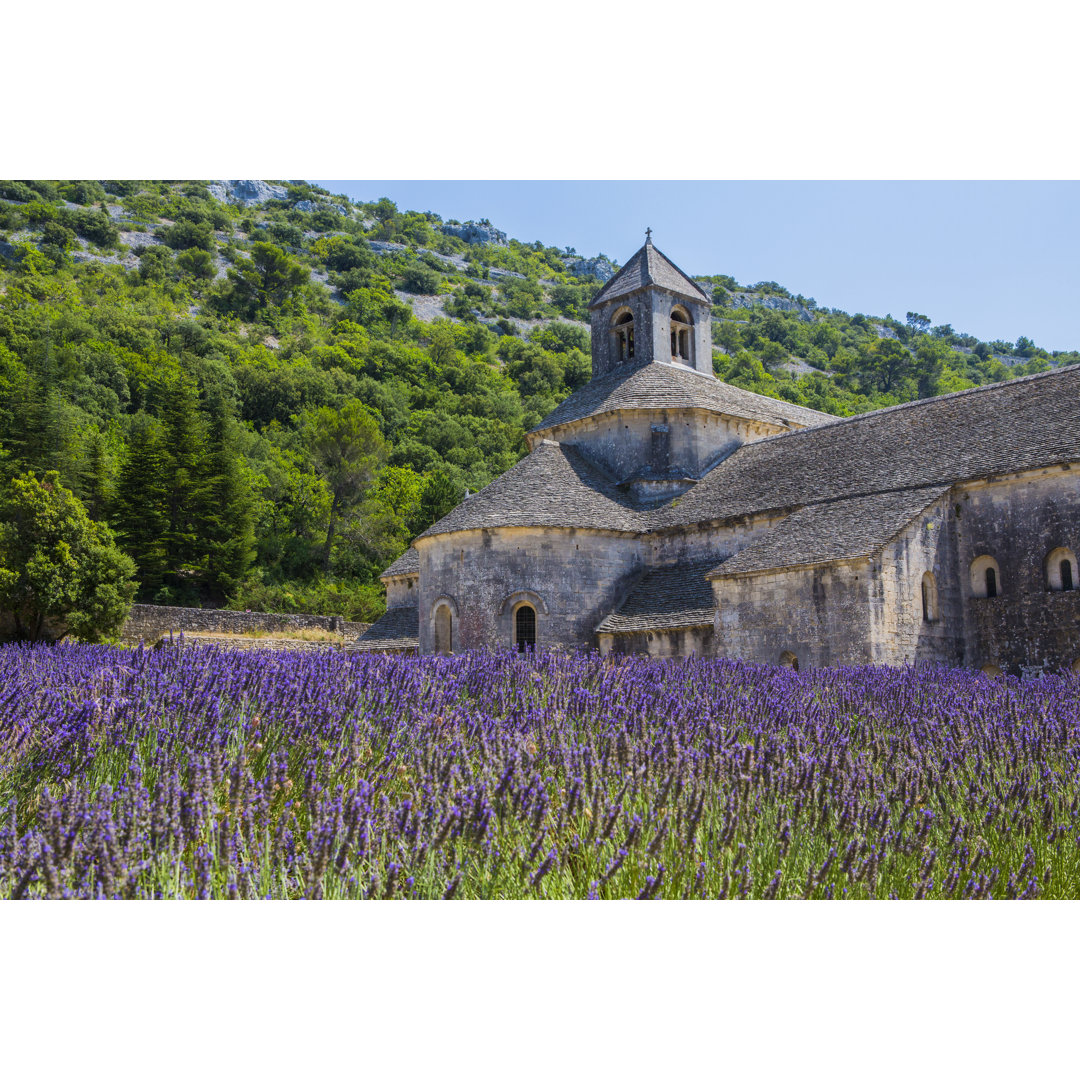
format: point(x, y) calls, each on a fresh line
point(662, 511)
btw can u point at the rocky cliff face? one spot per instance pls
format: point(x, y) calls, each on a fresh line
point(773, 303)
point(309, 205)
point(246, 192)
point(476, 232)
point(600, 267)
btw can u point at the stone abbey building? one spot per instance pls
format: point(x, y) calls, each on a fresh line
point(662, 511)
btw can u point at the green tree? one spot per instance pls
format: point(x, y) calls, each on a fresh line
point(156, 264)
point(141, 512)
point(198, 263)
point(441, 493)
point(60, 572)
point(44, 438)
point(269, 277)
point(931, 359)
point(187, 502)
point(919, 324)
point(189, 234)
point(228, 519)
point(346, 448)
point(95, 475)
point(889, 362)
point(420, 279)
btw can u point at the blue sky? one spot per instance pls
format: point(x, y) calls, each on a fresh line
point(994, 258)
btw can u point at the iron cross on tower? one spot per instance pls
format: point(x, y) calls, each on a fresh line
point(648, 236)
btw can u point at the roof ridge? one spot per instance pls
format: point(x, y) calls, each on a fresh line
point(623, 271)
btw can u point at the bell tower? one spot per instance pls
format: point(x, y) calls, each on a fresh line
point(650, 312)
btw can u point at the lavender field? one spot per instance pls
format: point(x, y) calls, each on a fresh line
point(207, 773)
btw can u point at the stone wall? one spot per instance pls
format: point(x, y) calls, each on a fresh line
point(402, 592)
point(150, 622)
point(700, 542)
point(871, 610)
point(1027, 629)
point(697, 439)
point(662, 644)
point(899, 632)
point(574, 578)
point(820, 614)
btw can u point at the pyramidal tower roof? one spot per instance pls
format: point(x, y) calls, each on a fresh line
point(649, 266)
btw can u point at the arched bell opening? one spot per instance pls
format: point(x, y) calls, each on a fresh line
point(622, 328)
point(681, 336)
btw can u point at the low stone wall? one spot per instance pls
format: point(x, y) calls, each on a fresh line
point(151, 622)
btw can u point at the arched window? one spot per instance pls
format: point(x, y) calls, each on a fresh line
point(1061, 573)
point(929, 598)
point(789, 659)
point(444, 630)
point(623, 327)
point(680, 336)
point(525, 628)
point(985, 576)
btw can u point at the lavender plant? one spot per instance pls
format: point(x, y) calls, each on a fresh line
point(201, 772)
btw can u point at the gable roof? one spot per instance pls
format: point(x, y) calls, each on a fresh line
point(645, 267)
point(990, 430)
point(406, 565)
point(665, 598)
point(827, 532)
point(663, 385)
point(554, 485)
point(399, 628)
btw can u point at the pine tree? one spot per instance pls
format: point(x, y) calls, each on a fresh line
point(228, 509)
point(185, 494)
point(94, 479)
point(44, 435)
point(141, 511)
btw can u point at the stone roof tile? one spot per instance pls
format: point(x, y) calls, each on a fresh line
point(665, 598)
point(406, 565)
point(661, 385)
point(1006, 427)
point(554, 485)
point(827, 532)
point(648, 266)
point(399, 628)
